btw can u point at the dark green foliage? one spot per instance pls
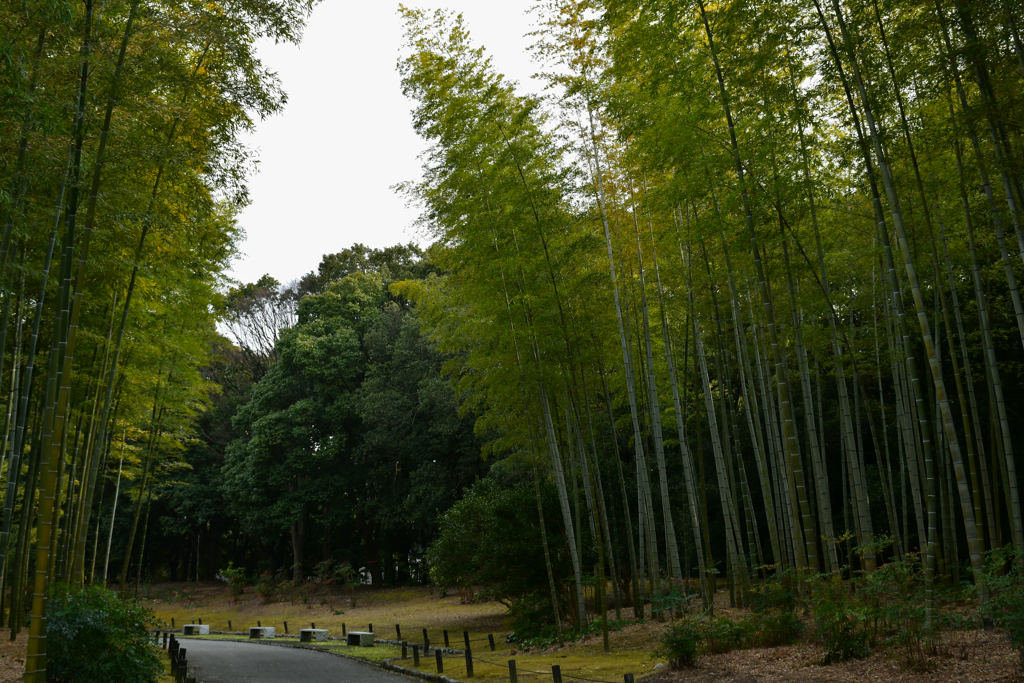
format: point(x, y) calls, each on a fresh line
point(716, 635)
point(530, 618)
point(400, 262)
point(1005, 582)
point(492, 537)
point(725, 635)
point(775, 594)
point(680, 644)
point(841, 632)
point(356, 410)
point(891, 603)
point(775, 628)
point(95, 637)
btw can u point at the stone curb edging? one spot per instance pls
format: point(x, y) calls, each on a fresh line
point(386, 664)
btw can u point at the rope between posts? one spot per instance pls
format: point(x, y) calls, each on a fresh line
point(543, 673)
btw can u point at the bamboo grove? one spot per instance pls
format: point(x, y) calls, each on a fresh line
point(761, 257)
point(121, 171)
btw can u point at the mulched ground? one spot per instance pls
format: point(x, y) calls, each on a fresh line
point(963, 657)
point(12, 657)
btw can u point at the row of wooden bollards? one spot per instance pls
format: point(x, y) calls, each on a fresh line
point(179, 662)
point(513, 672)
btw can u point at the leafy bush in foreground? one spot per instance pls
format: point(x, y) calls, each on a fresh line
point(95, 637)
point(680, 644)
point(1005, 581)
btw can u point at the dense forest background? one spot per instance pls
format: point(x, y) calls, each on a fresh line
point(736, 296)
point(334, 437)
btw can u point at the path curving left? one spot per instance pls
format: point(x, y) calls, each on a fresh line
point(219, 661)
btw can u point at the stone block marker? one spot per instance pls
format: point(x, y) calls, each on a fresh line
point(261, 632)
point(312, 635)
point(195, 630)
point(359, 638)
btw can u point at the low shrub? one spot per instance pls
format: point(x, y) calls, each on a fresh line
point(775, 628)
point(92, 636)
point(1005, 582)
point(681, 643)
point(235, 578)
point(265, 589)
point(841, 633)
point(725, 635)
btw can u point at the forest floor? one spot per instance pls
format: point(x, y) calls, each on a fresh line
point(12, 657)
point(961, 657)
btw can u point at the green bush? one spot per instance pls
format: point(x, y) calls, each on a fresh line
point(725, 635)
point(1005, 581)
point(92, 636)
point(234, 577)
point(841, 633)
point(773, 629)
point(680, 644)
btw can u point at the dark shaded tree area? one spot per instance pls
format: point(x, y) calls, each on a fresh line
point(339, 441)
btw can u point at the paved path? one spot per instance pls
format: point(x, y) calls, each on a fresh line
point(226, 662)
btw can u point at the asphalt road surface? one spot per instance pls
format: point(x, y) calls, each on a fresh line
point(226, 662)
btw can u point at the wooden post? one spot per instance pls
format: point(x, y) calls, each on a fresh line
point(465, 636)
point(286, 627)
point(469, 659)
point(440, 662)
point(259, 623)
point(513, 675)
point(628, 678)
point(398, 631)
point(426, 642)
point(405, 650)
point(446, 644)
point(415, 654)
point(230, 628)
point(343, 629)
point(556, 673)
point(312, 625)
point(371, 628)
point(490, 639)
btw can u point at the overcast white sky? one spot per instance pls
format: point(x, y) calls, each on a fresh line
point(327, 163)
